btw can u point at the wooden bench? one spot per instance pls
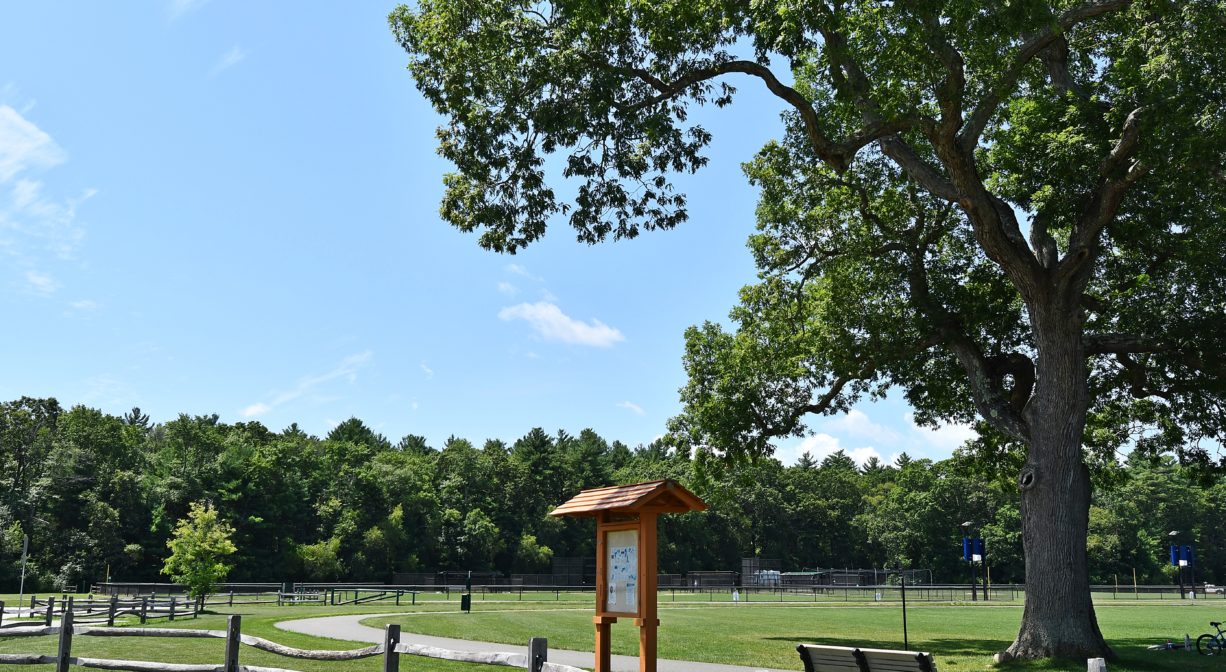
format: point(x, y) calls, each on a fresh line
point(849, 659)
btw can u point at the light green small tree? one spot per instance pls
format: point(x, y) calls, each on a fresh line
point(198, 550)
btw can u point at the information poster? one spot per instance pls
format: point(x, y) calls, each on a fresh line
point(622, 572)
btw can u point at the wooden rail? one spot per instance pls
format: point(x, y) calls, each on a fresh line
point(536, 660)
point(144, 608)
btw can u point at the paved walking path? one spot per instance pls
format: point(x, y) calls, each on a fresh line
point(351, 628)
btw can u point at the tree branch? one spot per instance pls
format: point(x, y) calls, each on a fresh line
point(1139, 378)
point(1033, 45)
point(917, 168)
point(983, 377)
point(1118, 343)
point(1102, 207)
point(836, 153)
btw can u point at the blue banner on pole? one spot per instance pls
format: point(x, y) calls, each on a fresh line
point(966, 549)
point(1174, 556)
point(979, 548)
point(1187, 554)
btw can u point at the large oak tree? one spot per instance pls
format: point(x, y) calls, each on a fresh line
point(1013, 210)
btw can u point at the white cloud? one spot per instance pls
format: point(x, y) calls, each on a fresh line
point(856, 425)
point(24, 146)
point(507, 288)
point(944, 438)
point(347, 369)
point(256, 410)
point(427, 370)
point(84, 305)
point(228, 60)
point(413, 405)
point(41, 283)
point(32, 223)
point(817, 446)
point(821, 446)
point(178, 8)
point(521, 271)
point(553, 325)
point(632, 407)
point(862, 455)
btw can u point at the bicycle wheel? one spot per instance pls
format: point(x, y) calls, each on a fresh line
point(1209, 645)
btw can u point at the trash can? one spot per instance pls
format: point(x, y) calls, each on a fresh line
point(466, 602)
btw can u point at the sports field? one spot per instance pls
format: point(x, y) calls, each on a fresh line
point(962, 637)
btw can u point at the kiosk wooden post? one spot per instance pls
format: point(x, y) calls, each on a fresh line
point(627, 564)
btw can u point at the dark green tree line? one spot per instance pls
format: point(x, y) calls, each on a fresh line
point(103, 495)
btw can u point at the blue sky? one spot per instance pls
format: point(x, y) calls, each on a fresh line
point(209, 206)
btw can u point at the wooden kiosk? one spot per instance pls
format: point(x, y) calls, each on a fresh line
point(626, 561)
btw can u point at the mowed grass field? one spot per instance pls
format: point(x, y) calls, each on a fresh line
point(257, 620)
point(962, 637)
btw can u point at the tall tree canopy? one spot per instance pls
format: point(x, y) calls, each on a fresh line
point(1011, 210)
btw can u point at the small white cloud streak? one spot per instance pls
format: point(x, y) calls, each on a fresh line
point(178, 8)
point(427, 370)
point(551, 324)
point(228, 60)
point(632, 407)
point(256, 409)
point(347, 369)
point(84, 305)
point(24, 146)
point(507, 288)
point(41, 283)
point(516, 269)
point(31, 223)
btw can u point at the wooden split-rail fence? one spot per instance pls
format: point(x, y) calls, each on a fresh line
point(536, 660)
point(100, 610)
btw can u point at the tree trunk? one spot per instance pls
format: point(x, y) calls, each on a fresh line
point(1058, 619)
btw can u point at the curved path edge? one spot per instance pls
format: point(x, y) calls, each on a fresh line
point(350, 627)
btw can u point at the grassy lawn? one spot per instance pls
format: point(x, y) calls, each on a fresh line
point(961, 637)
point(258, 620)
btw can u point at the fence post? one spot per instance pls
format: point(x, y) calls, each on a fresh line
point(110, 612)
point(172, 608)
point(538, 653)
point(50, 610)
point(33, 600)
point(144, 609)
point(231, 598)
point(61, 655)
point(391, 659)
point(233, 639)
point(2, 611)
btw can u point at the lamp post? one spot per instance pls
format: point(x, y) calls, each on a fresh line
point(970, 556)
